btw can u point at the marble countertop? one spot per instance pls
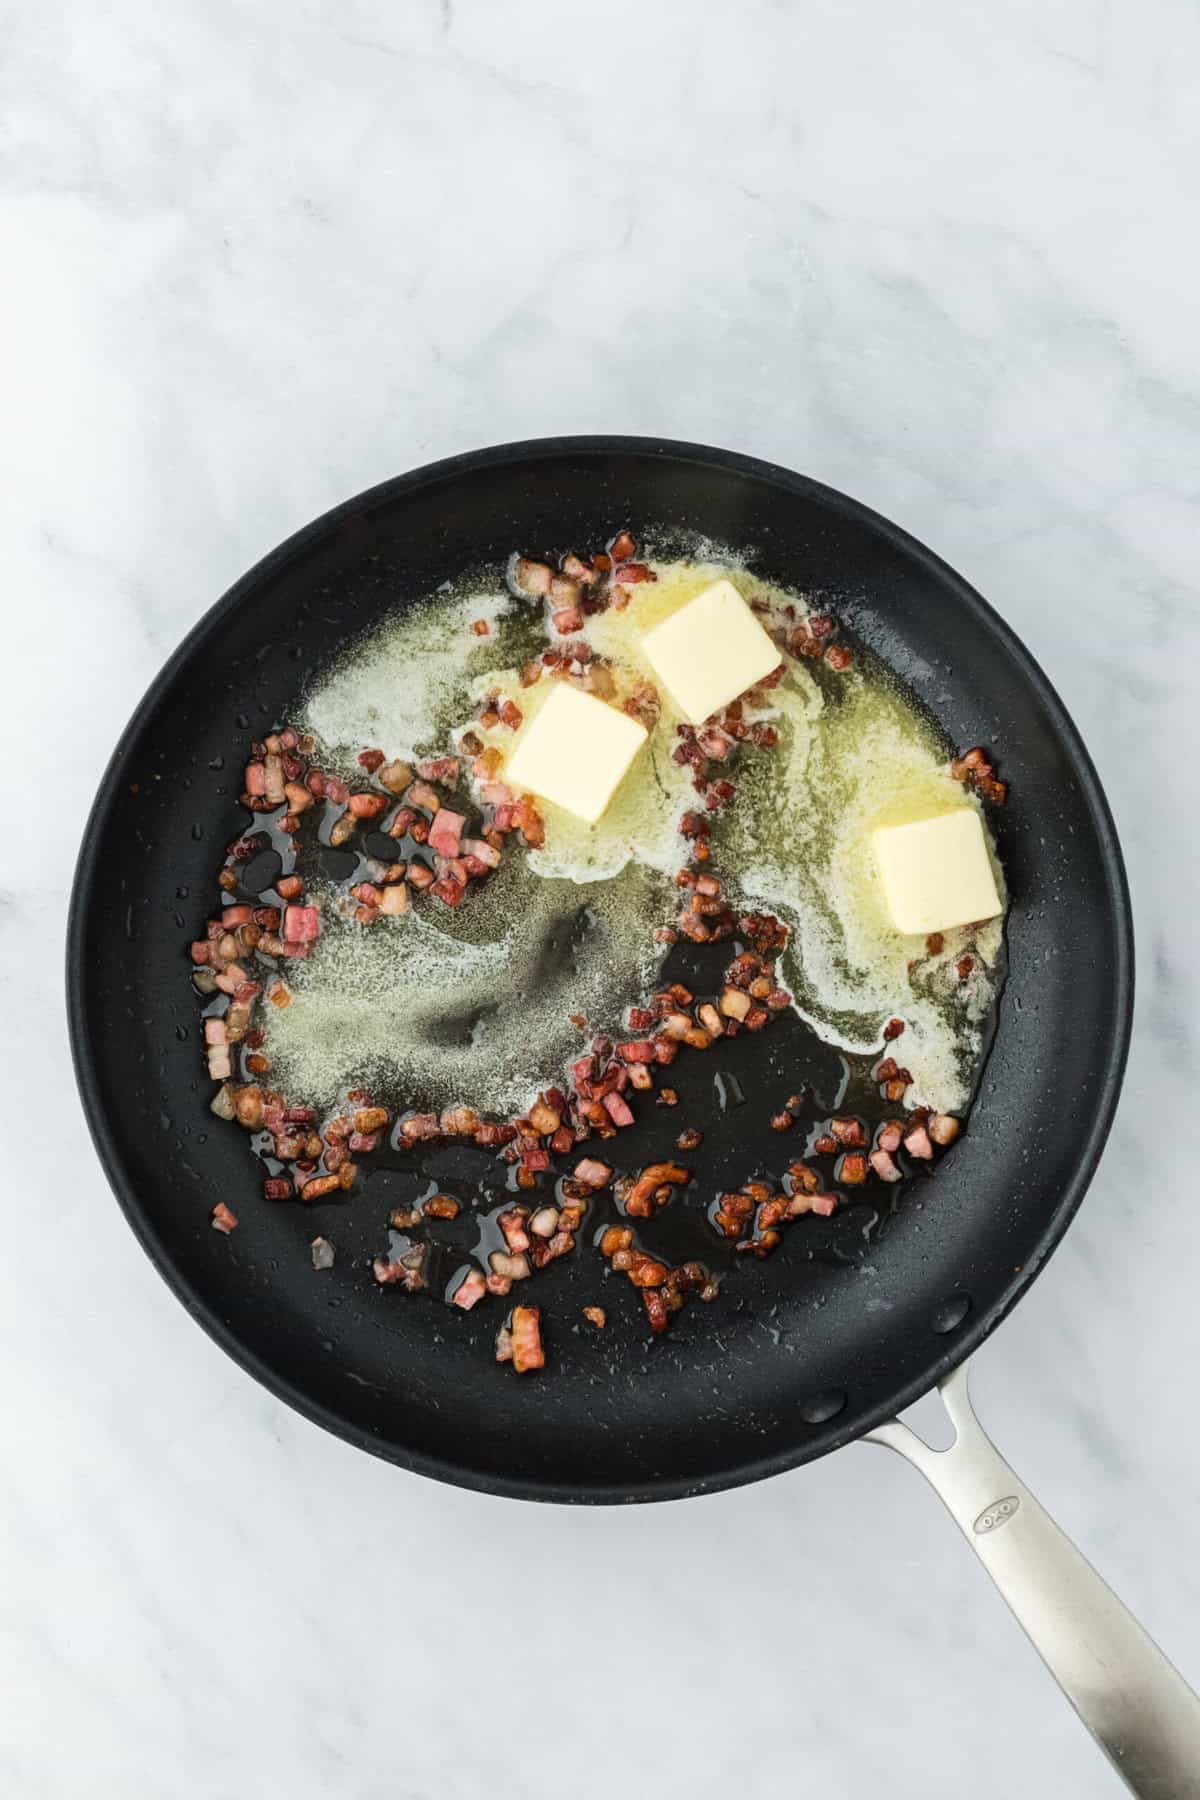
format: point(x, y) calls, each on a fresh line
point(257, 258)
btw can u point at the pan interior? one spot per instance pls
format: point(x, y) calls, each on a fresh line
point(796, 1356)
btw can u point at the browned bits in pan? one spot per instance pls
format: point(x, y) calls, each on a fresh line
point(733, 1213)
point(918, 1144)
point(656, 1310)
point(526, 1329)
point(532, 578)
point(642, 1197)
point(319, 1185)
point(370, 1118)
point(645, 1270)
point(441, 1206)
point(975, 769)
point(407, 1271)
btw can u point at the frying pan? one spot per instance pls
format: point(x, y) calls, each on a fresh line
point(821, 1344)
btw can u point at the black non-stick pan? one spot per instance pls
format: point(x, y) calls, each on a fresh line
point(808, 1350)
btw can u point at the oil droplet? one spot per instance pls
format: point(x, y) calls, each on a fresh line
point(729, 1091)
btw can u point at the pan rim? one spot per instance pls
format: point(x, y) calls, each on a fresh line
point(817, 1441)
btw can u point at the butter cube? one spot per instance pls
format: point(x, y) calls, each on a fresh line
point(710, 651)
point(575, 752)
point(936, 872)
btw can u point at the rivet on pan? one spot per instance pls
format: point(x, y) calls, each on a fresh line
point(951, 1313)
point(823, 1406)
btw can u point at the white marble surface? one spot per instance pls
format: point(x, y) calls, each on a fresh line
point(257, 257)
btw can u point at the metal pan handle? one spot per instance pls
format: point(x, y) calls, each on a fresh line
point(1134, 1702)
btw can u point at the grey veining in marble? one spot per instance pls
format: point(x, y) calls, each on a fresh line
point(254, 258)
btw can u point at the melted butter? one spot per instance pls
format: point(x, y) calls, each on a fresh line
point(798, 843)
point(403, 686)
point(467, 1005)
point(854, 754)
